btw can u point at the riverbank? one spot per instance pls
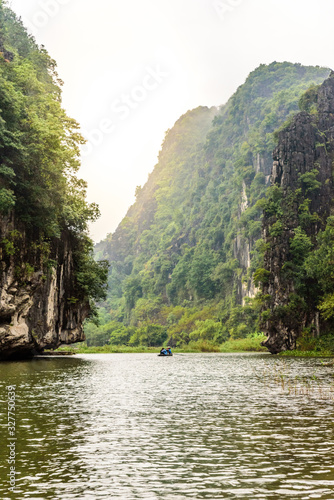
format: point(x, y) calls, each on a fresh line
point(248, 344)
point(307, 354)
point(310, 347)
point(322, 347)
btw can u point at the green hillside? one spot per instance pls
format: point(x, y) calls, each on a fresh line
point(182, 259)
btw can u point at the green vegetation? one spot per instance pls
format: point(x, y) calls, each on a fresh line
point(180, 267)
point(310, 346)
point(252, 343)
point(39, 160)
point(187, 260)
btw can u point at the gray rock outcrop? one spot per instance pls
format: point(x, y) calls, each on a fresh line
point(38, 304)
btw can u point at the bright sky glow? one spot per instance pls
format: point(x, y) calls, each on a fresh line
point(132, 68)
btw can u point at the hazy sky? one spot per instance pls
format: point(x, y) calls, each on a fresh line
point(132, 67)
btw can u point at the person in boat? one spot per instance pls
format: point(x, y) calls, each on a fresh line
point(164, 352)
point(169, 351)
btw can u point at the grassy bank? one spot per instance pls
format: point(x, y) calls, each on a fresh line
point(306, 354)
point(310, 347)
point(306, 347)
point(248, 344)
point(123, 349)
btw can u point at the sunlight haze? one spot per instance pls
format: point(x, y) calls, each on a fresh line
point(131, 69)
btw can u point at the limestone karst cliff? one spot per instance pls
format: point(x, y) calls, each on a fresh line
point(38, 305)
point(49, 278)
point(298, 209)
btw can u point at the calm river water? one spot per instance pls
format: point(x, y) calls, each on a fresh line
point(136, 426)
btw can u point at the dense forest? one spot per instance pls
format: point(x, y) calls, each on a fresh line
point(42, 201)
point(187, 261)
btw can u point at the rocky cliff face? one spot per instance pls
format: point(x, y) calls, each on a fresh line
point(38, 308)
point(242, 249)
point(306, 146)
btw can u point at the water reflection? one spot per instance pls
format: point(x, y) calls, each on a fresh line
point(192, 426)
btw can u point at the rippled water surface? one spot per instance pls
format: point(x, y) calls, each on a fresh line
point(136, 426)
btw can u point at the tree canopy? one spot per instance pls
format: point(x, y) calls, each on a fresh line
point(40, 152)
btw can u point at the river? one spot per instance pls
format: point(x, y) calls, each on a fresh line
point(200, 426)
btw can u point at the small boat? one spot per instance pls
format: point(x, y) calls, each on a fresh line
point(165, 355)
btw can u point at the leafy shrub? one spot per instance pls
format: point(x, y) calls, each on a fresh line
point(261, 276)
